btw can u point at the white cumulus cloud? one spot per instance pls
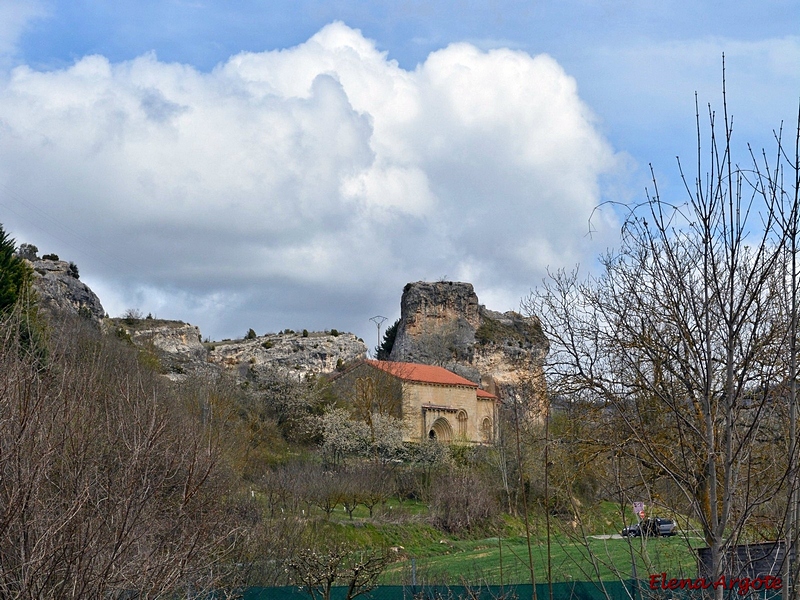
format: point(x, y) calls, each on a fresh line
point(306, 185)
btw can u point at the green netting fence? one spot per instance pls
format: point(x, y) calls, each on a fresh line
point(574, 590)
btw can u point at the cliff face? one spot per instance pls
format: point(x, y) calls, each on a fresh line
point(443, 324)
point(176, 344)
point(180, 352)
point(59, 290)
point(291, 354)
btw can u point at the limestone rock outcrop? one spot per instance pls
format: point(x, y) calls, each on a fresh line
point(442, 323)
point(296, 355)
point(59, 290)
point(176, 344)
point(178, 347)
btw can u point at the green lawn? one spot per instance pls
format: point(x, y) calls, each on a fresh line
point(571, 559)
point(598, 553)
point(438, 558)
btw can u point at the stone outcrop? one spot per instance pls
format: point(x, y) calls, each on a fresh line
point(176, 344)
point(181, 352)
point(59, 290)
point(178, 347)
point(296, 355)
point(443, 324)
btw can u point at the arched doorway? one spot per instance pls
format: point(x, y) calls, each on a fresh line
point(441, 430)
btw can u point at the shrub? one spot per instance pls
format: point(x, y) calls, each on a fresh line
point(251, 334)
point(151, 522)
point(132, 316)
point(28, 251)
point(461, 502)
point(335, 332)
point(305, 332)
point(53, 257)
point(72, 270)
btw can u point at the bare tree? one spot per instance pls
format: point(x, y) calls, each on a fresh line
point(461, 502)
point(678, 338)
point(107, 482)
point(317, 571)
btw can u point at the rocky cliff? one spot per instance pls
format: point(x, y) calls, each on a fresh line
point(59, 290)
point(176, 345)
point(180, 352)
point(443, 323)
point(296, 355)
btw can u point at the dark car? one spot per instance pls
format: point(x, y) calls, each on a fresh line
point(652, 527)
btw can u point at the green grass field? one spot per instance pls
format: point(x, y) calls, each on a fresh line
point(597, 553)
point(571, 558)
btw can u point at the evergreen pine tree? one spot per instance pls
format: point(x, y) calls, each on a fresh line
point(14, 273)
point(383, 351)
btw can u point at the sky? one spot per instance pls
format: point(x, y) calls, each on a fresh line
point(293, 164)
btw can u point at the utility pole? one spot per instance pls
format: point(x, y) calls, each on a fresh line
point(378, 320)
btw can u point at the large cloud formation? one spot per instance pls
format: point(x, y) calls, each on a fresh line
point(303, 187)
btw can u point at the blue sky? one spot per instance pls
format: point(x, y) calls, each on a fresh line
point(294, 164)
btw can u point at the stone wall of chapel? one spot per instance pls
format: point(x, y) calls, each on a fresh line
point(453, 400)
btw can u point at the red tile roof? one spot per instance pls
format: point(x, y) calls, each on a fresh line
point(425, 374)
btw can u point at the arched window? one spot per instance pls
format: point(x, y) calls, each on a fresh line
point(486, 430)
point(461, 417)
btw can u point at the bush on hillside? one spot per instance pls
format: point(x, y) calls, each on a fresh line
point(124, 486)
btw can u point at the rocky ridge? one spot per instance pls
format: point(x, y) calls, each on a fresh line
point(443, 323)
point(176, 344)
point(180, 351)
point(59, 290)
point(296, 355)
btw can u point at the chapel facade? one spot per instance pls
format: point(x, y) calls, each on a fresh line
point(432, 402)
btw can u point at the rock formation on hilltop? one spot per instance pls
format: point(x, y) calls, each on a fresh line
point(59, 290)
point(443, 324)
point(180, 352)
point(290, 353)
point(176, 345)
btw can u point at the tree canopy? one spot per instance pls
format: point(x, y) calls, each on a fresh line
point(383, 351)
point(14, 273)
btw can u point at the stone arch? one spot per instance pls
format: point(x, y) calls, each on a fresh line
point(487, 430)
point(441, 430)
point(461, 419)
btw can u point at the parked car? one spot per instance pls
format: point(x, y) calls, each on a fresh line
point(652, 527)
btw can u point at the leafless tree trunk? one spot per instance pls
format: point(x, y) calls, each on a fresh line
point(789, 222)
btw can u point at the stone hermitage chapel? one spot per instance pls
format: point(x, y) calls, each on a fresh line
point(432, 402)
